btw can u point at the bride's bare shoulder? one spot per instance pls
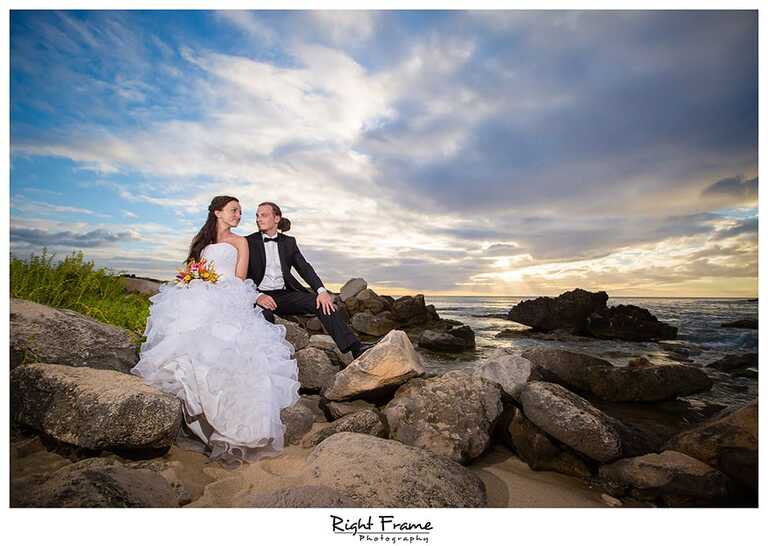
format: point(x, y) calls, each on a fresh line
point(238, 241)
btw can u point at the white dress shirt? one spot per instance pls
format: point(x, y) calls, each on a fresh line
point(273, 273)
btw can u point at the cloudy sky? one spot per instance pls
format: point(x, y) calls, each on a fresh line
point(509, 153)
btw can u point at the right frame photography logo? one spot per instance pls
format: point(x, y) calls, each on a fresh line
point(385, 528)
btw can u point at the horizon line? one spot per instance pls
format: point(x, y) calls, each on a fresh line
point(518, 296)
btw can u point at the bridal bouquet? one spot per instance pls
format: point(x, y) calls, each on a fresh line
point(201, 270)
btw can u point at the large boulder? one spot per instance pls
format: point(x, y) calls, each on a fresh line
point(507, 369)
point(295, 334)
point(315, 403)
point(298, 420)
point(410, 310)
point(657, 422)
point(630, 323)
point(314, 325)
point(316, 371)
point(351, 288)
point(326, 343)
point(350, 305)
point(453, 340)
point(566, 368)
point(43, 334)
point(670, 477)
point(368, 300)
point(301, 496)
point(174, 472)
point(373, 325)
point(94, 483)
point(386, 365)
point(380, 473)
point(95, 409)
point(541, 452)
point(728, 443)
point(646, 383)
point(568, 311)
point(365, 422)
point(337, 410)
point(649, 383)
point(451, 415)
point(749, 324)
point(735, 362)
point(441, 342)
point(572, 420)
point(585, 313)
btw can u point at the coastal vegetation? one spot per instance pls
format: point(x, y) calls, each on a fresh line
point(75, 284)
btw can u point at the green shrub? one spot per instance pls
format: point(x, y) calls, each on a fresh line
point(74, 284)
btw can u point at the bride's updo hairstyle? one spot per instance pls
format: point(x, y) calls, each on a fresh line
point(284, 224)
point(207, 233)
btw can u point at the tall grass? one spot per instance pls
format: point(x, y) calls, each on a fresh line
point(74, 284)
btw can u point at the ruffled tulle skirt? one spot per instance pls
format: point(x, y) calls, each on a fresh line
point(233, 370)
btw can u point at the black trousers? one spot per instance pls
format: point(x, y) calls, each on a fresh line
point(293, 302)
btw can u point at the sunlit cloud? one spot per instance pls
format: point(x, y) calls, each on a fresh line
point(476, 153)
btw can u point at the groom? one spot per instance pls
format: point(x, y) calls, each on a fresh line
point(271, 256)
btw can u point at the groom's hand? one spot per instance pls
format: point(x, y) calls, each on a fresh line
point(267, 302)
point(325, 301)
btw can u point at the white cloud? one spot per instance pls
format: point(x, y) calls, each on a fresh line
point(22, 204)
point(343, 26)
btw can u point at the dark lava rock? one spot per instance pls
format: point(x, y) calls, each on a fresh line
point(735, 362)
point(629, 323)
point(743, 323)
point(567, 311)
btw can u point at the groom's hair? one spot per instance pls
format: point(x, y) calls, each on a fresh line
point(284, 224)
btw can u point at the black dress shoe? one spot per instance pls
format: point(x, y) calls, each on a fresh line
point(359, 348)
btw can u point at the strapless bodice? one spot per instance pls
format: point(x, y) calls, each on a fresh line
point(224, 259)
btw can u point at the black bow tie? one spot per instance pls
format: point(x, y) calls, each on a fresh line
point(268, 240)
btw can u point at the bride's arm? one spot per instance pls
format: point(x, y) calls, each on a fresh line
point(242, 258)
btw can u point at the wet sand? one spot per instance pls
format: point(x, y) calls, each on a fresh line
point(510, 483)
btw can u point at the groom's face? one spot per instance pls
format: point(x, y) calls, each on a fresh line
point(266, 219)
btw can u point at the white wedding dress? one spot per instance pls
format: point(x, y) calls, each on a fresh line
point(233, 370)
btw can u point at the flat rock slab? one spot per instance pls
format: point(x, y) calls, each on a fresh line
point(43, 334)
point(381, 473)
point(95, 409)
point(352, 287)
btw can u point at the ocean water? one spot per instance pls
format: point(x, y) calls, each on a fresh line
point(700, 339)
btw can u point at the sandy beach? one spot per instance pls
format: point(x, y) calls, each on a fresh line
point(509, 482)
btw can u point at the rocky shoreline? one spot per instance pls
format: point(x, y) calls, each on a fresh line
point(379, 431)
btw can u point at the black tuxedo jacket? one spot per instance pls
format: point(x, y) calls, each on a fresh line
point(290, 256)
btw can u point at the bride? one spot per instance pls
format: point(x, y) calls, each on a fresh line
point(208, 345)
